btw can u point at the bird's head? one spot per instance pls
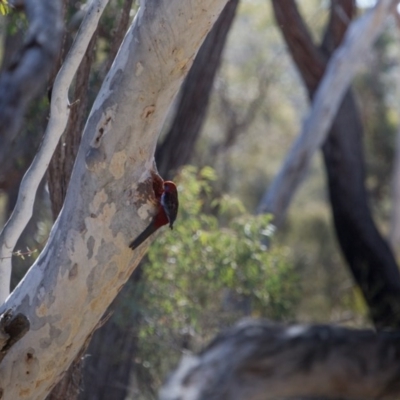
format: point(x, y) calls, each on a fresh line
point(170, 187)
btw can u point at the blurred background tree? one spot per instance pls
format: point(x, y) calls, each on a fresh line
point(238, 111)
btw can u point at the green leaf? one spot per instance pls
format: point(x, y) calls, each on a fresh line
point(4, 8)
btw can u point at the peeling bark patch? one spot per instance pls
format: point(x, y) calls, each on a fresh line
point(139, 69)
point(51, 298)
point(148, 111)
point(117, 164)
point(28, 369)
point(90, 282)
point(73, 272)
point(98, 199)
point(62, 336)
point(111, 272)
point(90, 246)
point(31, 362)
point(104, 126)
point(98, 279)
point(94, 159)
point(145, 199)
point(102, 130)
point(39, 322)
point(42, 310)
point(54, 332)
point(44, 343)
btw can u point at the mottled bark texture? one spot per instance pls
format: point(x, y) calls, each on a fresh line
point(110, 198)
point(110, 362)
point(367, 253)
point(60, 169)
point(260, 361)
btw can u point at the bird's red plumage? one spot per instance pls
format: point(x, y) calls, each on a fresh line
point(166, 214)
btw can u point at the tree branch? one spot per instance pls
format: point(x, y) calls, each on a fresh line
point(259, 360)
point(27, 73)
point(110, 197)
point(59, 113)
point(340, 71)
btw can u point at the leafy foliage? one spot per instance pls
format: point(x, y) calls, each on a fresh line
point(211, 270)
point(4, 7)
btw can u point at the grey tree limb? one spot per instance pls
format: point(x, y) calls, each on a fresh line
point(24, 77)
point(110, 197)
point(258, 360)
point(345, 62)
point(59, 113)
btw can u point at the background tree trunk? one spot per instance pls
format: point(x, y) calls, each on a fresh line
point(258, 360)
point(180, 140)
point(367, 253)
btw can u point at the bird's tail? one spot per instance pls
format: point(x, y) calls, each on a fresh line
point(143, 236)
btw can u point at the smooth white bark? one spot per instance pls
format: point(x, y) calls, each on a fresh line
point(59, 113)
point(109, 199)
point(344, 64)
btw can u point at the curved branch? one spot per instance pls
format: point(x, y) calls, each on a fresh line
point(27, 73)
point(259, 360)
point(366, 252)
point(59, 113)
point(341, 69)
